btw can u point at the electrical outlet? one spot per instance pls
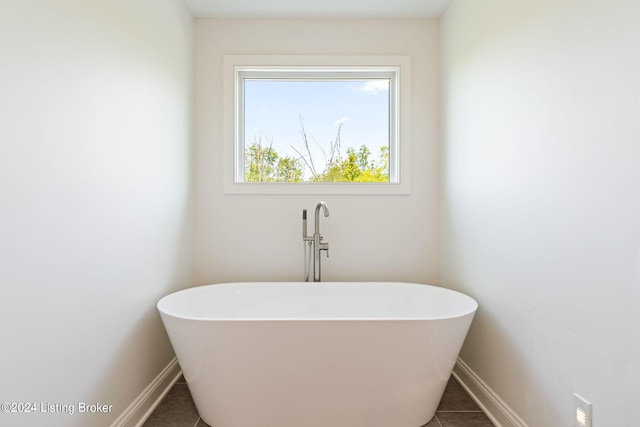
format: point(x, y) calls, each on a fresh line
point(582, 411)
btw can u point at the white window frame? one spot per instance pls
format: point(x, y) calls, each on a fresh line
point(238, 67)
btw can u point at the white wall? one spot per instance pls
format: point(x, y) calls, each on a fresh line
point(541, 167)
point(260, 237)
point(95, 216)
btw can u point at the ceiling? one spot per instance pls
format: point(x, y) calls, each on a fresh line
point(318, 8)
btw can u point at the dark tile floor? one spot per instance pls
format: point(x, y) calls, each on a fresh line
point(456, 409)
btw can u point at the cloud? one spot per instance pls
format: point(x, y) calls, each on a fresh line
point(372, 87)
point(341, 121)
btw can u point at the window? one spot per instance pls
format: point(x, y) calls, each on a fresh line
point(312, 125)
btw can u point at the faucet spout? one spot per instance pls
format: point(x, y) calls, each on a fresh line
point(325, 209)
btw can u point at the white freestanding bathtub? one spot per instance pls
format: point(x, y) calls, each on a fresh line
point(325, 354)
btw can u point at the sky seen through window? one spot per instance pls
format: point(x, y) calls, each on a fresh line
point(275, 111)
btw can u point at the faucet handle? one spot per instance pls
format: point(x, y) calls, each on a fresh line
point(325, 247)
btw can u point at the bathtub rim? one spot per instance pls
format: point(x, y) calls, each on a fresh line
point(462, 313)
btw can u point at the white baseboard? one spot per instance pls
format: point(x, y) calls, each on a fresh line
point(142, 407)
point(496, 409)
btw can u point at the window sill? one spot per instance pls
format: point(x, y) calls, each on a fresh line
point(311, 188)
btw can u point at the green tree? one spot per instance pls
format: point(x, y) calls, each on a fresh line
point(376, 171)
point(265, 164)
point(289, 169)
point(358, 167)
